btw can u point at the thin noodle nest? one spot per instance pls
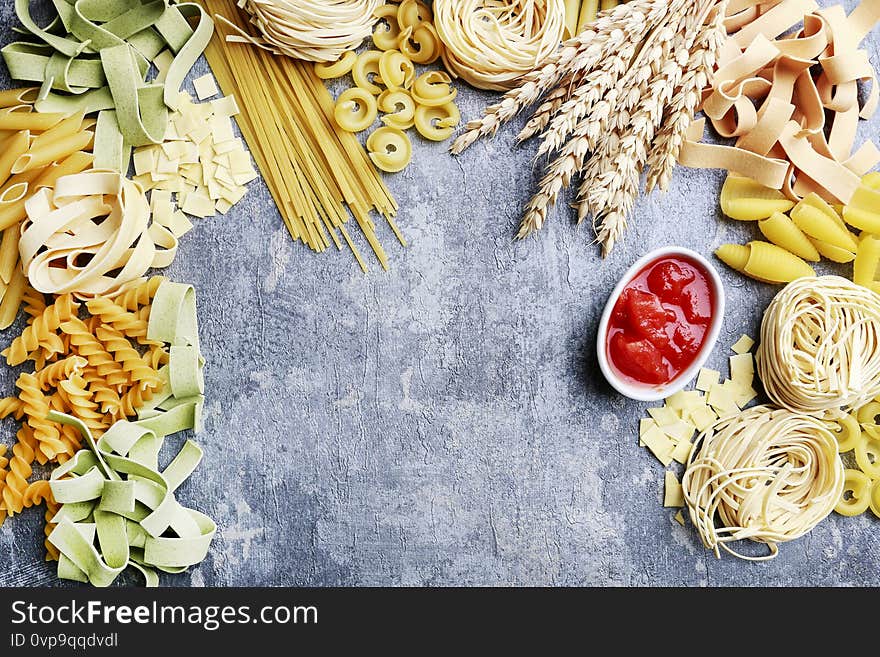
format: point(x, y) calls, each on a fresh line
point(491, 44)
point(313, 30)
point(766, 475)
point(820, 346)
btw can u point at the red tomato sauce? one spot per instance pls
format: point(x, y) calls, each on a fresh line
point(661, 320)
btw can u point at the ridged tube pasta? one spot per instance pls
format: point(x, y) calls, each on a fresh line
point(367, 64)
point(399, 108)
point(36, 407)
point(421, 43)
point(832, 252)
point(333, 70)
point(747, 200)
point(355, 110)
point(820, 221)
point(389, 149)
point(764, 262)
point(863, 209)
point(396, 70)
point(856, 495)
point(433, 89)
point(386, 34)
point(782, 231)
point(866, 267)
point(437, 123)
point(413, 12)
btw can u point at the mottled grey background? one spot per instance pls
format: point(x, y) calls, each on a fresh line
point(445, 422)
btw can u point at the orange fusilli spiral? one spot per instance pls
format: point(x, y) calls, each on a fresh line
point(42, 332)
point(139, 371)
point(90, 348)
point(36, 407)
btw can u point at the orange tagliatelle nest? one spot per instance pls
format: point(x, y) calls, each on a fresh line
point(784, 64)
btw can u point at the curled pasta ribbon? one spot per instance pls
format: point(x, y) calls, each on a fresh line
point(355, 110)
point(847, 432)
point(437, 123)
point(412, 12)
point(766, 93)
point(367, 64)
point(490, 45)
point(313, 30)
point(91, 225)
point(839, 370)
point(396, 70)
point(386, 35)
point(767, 475)
point(389, 149)
point(399, 108)
point(421, 43)
point(333, 70)
point(433, 89)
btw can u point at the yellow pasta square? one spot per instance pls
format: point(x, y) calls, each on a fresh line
point(743, 345)
point(682, 451)
point(205, 86)
point(742, 367)
point(706, 379)
point(673, 493)
point(659, 444)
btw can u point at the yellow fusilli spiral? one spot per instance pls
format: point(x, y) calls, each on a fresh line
point(90, 348)
point(156, 356)
point(141, 295)
point(3, 463)
point(11, 406)
point(36, 407)
point(79, 399)
point(51, 375)
point(42, 332)
point(39, 492)
point(15, 484)
point(138, 370)
point(127, 323)
point(102, 394)
point(134, 399)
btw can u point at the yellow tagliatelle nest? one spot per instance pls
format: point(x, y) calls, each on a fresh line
point(491, 44)
point(820, 345)
point(313, 30)
point(767, 475)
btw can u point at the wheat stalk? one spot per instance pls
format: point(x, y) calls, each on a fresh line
point(549, 106)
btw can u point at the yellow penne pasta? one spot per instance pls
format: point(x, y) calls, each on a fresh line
point(33, 121)
point(9, 253)
point(15, 97)
point(867, 261)
point(744, 199)
point(10, 151)
point(819, 220)
point(832, 252)
point(769, 262)
point(782, 231)
point(12, 299)
point(53, 151)
point(71, 125)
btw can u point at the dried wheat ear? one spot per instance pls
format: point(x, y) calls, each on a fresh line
point(616, 100)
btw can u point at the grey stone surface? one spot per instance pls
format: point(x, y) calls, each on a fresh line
point(445, 422)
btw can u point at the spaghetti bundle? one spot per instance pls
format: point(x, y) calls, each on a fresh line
point(767, 475)
point(313, 30)
point(313, 168)
point(491, 44)
point(820, 345)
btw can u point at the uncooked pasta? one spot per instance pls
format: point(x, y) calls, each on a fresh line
point(766, 474)
point(491, 44)
point(820, 345)
point(314, 30)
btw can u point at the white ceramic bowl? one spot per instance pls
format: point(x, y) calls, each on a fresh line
point(647, 391)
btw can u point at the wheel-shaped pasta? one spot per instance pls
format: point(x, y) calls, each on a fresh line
point(782, 231)
point(867, 453)
point(433, 89)
point(820, 221)
point(332, 70)
point(399, 108)
point(437, 123)
point(367, 65)
point(863, 209)
point(387, 32)
point(744, 199)
point(764, 262)
point(421, 43)
point(396, 70)
point(389, 149)
point(355, 110)
point(412, 12)
point(858, 485)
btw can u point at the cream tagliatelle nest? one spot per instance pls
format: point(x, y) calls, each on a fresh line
point(491, 44)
